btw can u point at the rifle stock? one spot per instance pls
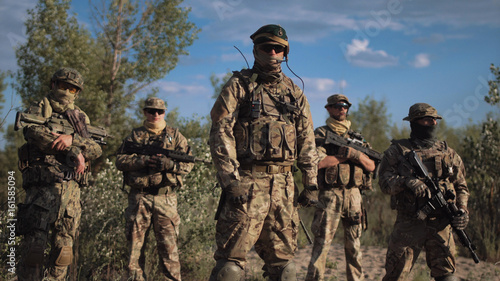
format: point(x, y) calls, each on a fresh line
point(59, 126)
point(132, 147)
point(438, 201)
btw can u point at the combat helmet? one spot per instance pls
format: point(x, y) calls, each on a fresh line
point(333, 99)
point(420, 110)
point(154, 103)
point(68, 75)
point(271, 34)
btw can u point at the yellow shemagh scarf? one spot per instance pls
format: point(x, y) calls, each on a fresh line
point(339, 127)
point(155, 128)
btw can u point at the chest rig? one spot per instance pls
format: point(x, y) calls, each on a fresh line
point(265, 129)
point(439, 164)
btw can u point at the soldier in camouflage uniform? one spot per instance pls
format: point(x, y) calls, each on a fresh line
point(152, 201)
point(409, 194)
point(54, 167)
point(343, 173)
point(261, 124)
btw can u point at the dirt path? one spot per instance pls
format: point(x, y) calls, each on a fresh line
point(373, 266)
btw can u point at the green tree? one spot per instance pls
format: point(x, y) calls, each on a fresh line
point(218, 83)
point(372, 120)
point(136, 43)
point(481, 156)
point(493, 95)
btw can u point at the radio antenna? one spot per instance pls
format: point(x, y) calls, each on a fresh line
point(248, 66)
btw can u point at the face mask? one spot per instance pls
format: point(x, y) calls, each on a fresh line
point(64, 96)
point(266, 61)
point(423, 132)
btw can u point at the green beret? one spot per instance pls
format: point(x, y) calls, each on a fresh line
point(271, 34)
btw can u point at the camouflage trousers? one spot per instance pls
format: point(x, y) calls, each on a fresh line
point(268, 221)
point(159, 211)
point(334, 205)
point(50, 212)
point(409, 237)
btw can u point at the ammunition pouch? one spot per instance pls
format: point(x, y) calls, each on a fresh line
point(266, 139)
point(141, 180)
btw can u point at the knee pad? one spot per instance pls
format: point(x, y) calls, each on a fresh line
point(65, 256)
point(230, 272)
point(288, 273)
point(34, 257)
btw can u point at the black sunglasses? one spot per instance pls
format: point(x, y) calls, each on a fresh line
point(340, 105)
point(152, 111)
point(269, 47)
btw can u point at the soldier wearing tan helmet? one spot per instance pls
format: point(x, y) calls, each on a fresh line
point(344, 173)
point(409, 194)
point(261, 125)
point(54, 167)
point(153, 180)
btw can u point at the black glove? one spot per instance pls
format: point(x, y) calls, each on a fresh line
point(160, 163)
point(460, 222)
point(418, 187)
point(237, 193)
point(308, 198)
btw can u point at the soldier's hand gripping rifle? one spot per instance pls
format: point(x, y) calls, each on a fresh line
point(439, 201)
point(59, 126)
point(133, 147)
point(356, 143)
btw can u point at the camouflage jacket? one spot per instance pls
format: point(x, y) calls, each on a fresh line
point(42, 164)
point(442, 162)
point(136, 171)
point(243, 133)
point(347, 174)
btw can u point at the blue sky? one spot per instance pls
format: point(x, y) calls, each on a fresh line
point(405, 52)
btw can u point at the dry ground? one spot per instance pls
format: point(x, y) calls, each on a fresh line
point(373, 266)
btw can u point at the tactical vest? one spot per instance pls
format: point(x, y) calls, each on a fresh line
point(265, 128)
point(41, 168)
point(343, 175)
point(144, 179)
point(438, 162)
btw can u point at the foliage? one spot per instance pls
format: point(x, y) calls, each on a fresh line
point(493, 97)
point(219, 82)
point(371, 118)
point(481, 157)
point(135, 44)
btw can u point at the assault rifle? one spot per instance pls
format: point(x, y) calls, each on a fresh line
point(130, 147)
point(354, 141)
point(439, 201)
point(59, 126)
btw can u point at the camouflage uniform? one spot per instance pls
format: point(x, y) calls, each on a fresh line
point(52, 202)
point(253, 148)
point(411, 235)
point(152, 199)
point(339, 199)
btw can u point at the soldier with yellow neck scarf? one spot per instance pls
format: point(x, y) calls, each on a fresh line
point(153, 181)
point(343, 172)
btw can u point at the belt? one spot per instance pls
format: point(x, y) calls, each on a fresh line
point(269, 169)
point(156, 190)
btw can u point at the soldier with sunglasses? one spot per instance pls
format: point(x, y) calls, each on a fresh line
point(261, 125)
point(153, 180)
point(54, 167)
point(343, 174)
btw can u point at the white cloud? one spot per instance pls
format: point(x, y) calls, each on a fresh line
point(177, 89)
point(359, 54)
point(421, 60)
point(321, 88)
